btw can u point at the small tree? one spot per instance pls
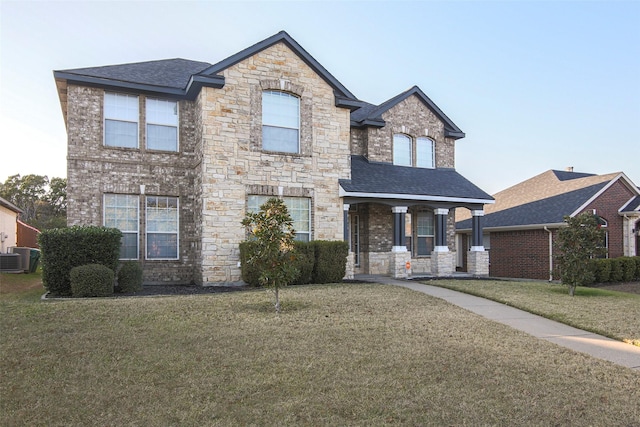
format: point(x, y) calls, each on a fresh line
point(577, 243)
point(272, 229)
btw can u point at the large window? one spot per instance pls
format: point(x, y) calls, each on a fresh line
point(162, 124)
point(401, 150)
point(425, 233)
point(299, 209)
point(120, 120)
point(121, 212)
point(280, 122)
point(424, 153)
point(162, 227)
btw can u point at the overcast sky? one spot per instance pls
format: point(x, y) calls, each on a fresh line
point(535, 85)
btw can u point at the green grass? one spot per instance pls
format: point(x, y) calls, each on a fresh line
point(609, 313)
point(356, 354)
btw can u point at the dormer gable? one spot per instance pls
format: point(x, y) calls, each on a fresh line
point(369, 115)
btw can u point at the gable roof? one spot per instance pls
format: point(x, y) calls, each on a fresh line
point(371, 115)
point(387, 181)
point(544, 199)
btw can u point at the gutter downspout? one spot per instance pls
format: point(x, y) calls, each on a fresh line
point(550, 252)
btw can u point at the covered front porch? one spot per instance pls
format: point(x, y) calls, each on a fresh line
point(400, 221)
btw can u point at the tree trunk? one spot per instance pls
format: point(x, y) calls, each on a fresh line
point(572, 290)
point(277, 301)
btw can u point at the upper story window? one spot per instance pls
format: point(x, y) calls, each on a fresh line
point(280, 122)
point(425, 153)
point(121, 120)
point(402, 150)
point(162, 124)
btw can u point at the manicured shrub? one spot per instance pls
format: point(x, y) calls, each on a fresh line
point(628, 268)
point(637, 259)
point(91, 280)
point(317, 261)
point(330, 261)
point(65, 248)
point(617, 272)
point(130, 277)
point(304, 261)
point(602, 270)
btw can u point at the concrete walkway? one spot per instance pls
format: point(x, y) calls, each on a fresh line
point(540, 327)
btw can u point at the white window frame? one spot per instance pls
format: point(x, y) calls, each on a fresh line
point(269, 123)
point(111, 112)
point(254, 202)
point(106, 221)
point(167, 123)
point(399, 156)
point(427, 161)
point(425, 236)
point(175, 232)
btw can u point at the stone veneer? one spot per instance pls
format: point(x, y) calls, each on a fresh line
point(234, 165)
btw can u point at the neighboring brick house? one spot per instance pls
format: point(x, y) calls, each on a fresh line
point(174, 153)
point(520, 228)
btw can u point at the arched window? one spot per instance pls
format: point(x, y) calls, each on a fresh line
point(424, 153)
point(280, 122)
point(401, 150)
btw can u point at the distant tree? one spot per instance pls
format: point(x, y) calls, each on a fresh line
point(43, 202)
point(576, 245)
point(272, 228)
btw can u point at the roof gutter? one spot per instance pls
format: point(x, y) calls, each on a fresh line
point(421, 197)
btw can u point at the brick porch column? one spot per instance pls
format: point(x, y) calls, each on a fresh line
point(476, 231)
point(477, 258)
point(442, 260)
point(399, 254)
point(350, 267)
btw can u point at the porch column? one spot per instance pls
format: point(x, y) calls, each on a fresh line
point(441, 230)
point(399, 254)
point(345, 222)
point(476, 231)
point(399, 239)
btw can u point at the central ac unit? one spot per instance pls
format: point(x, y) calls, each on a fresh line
point(11, 263)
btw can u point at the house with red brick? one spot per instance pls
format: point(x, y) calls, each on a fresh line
point(519, 230)
point(174, 153)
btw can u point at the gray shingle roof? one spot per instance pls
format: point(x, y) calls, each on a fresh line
point(632, 206)
point(171, 73)
point(384, 178)
point(551, 210)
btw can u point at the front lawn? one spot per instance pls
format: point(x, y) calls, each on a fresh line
point(609, 313)
point(348, 354)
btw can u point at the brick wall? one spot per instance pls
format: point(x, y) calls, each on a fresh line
point(606, 206)
point(523, 254)
point(93, 170)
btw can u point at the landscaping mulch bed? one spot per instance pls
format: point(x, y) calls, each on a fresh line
point(630, 287)
point(157, 290)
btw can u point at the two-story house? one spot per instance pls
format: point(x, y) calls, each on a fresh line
point(175, 152)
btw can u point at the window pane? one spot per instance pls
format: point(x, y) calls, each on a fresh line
point(280, 122)
point(425, 224)
point(162, 246)
point(424, 153)
point(425, 245)
point(120, 134)
point(162, 138)
point(279, 139)
point(401, 150)
point(121, 212)
point(162, 112)
point(118, 106)
point(299, 209)
point(162, 227)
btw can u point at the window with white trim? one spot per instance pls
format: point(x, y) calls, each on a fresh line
point(425, 232)
point(162, 227)
point(162, 124)
point(121, 211)
point(401, 150)
point(120, 120)
point(280, 122)
point(424, 153)
point(299, 209)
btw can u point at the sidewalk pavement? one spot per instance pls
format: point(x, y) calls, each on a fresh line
point(575, 339)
